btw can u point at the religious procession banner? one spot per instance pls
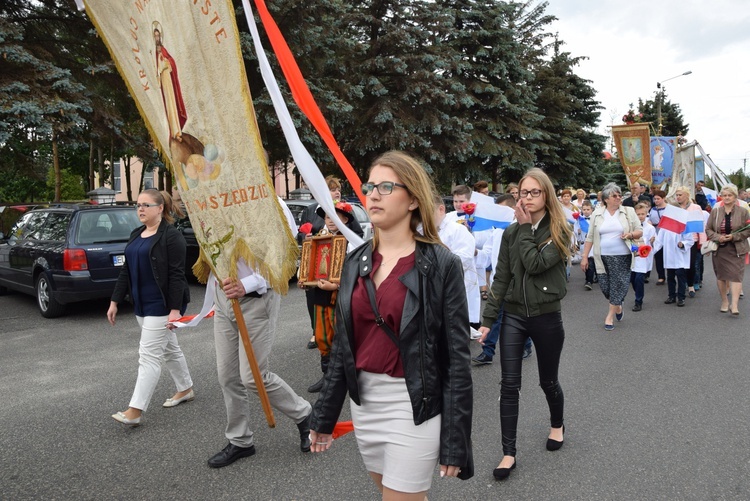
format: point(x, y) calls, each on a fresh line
point(632, 143)
point(662, 160)
point(183, 66)
point(683, 172)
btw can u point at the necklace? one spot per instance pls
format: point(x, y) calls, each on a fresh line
point(396, 256)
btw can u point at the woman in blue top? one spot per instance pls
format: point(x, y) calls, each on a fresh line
point(154, 276)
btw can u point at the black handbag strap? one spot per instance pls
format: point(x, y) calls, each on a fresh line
point(378, 319)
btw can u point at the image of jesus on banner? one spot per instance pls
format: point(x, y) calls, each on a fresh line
point(169, 83)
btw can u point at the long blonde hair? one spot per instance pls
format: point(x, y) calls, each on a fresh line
point(558, 223)
point(420, 186)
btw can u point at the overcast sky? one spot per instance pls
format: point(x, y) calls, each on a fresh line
point(633, 44)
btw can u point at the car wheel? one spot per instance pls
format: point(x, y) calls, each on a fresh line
point(45, 298)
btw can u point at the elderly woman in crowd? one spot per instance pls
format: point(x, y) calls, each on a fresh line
point(611, 230)
point(728, 226)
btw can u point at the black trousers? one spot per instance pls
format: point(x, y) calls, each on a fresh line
point(548, 335)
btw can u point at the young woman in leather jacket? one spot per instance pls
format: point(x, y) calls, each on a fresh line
point(410, 388)
point(530, 280)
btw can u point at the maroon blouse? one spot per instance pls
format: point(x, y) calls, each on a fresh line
point(374, 351)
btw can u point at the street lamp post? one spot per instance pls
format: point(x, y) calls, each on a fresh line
point(660, 96)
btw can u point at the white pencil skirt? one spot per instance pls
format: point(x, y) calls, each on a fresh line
point(390, 443)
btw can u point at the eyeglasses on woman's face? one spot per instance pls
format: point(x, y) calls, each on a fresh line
point(384, 188)
point(616, 195)
point(533, 193)
point(146, 206)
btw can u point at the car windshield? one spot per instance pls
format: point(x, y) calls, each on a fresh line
point(110, 226)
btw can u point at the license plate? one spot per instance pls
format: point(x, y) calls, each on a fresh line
point(118, 260)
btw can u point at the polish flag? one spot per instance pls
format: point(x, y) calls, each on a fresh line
point(673, 219)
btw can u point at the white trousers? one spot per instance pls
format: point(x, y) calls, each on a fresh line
point(158, 343)
point(235, 376)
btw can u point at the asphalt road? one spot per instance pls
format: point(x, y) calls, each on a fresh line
point(656, 409)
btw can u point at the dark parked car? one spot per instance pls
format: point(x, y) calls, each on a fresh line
point(66, 253)
point(193, 248)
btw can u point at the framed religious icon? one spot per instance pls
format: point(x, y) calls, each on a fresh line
point(322, 257)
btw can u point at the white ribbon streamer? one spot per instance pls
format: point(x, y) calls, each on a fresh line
point(302, 159)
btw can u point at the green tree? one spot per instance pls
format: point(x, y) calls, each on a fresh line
point(571, 151)
point(494, 102)
point(673, 123)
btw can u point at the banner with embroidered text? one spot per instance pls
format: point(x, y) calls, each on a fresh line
point(183, 66)
point(633, 146)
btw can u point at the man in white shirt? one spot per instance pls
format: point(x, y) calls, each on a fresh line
point(460, 241)
point(260, 309)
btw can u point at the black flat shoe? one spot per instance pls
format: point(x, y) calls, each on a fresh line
point(554, 445)
point(503, 473)
point(229, 455)
point(311, 345)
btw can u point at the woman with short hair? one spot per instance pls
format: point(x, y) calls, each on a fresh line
point(612, 228)
point(729, 226)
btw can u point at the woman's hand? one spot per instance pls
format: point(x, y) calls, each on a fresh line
point(320, 441)
point(174, 315)
point(326, 285)
point(112, 312)
point(484, 331)
point(449, 471)
point(584, 264)
point(522, 215)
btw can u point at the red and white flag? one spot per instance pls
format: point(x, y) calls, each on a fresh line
point(673, 219)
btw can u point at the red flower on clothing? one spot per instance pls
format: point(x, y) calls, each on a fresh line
point(644, 250)
point(306, 228)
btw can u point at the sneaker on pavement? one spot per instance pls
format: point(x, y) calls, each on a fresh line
point(526, 353)
point(588, 286)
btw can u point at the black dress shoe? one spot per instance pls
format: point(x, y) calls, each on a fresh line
point(311, 345)
point(316, 387)
point(554, 445)
point(637, 307)
point(503, 473)
point(482, 359)
point(229, 455)
point(670, 300)
point(304, 434)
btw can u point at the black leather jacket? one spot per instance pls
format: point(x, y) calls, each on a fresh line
point(433, 342)
point(167, 254)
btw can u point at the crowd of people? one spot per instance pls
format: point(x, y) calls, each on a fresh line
point(394, 332)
